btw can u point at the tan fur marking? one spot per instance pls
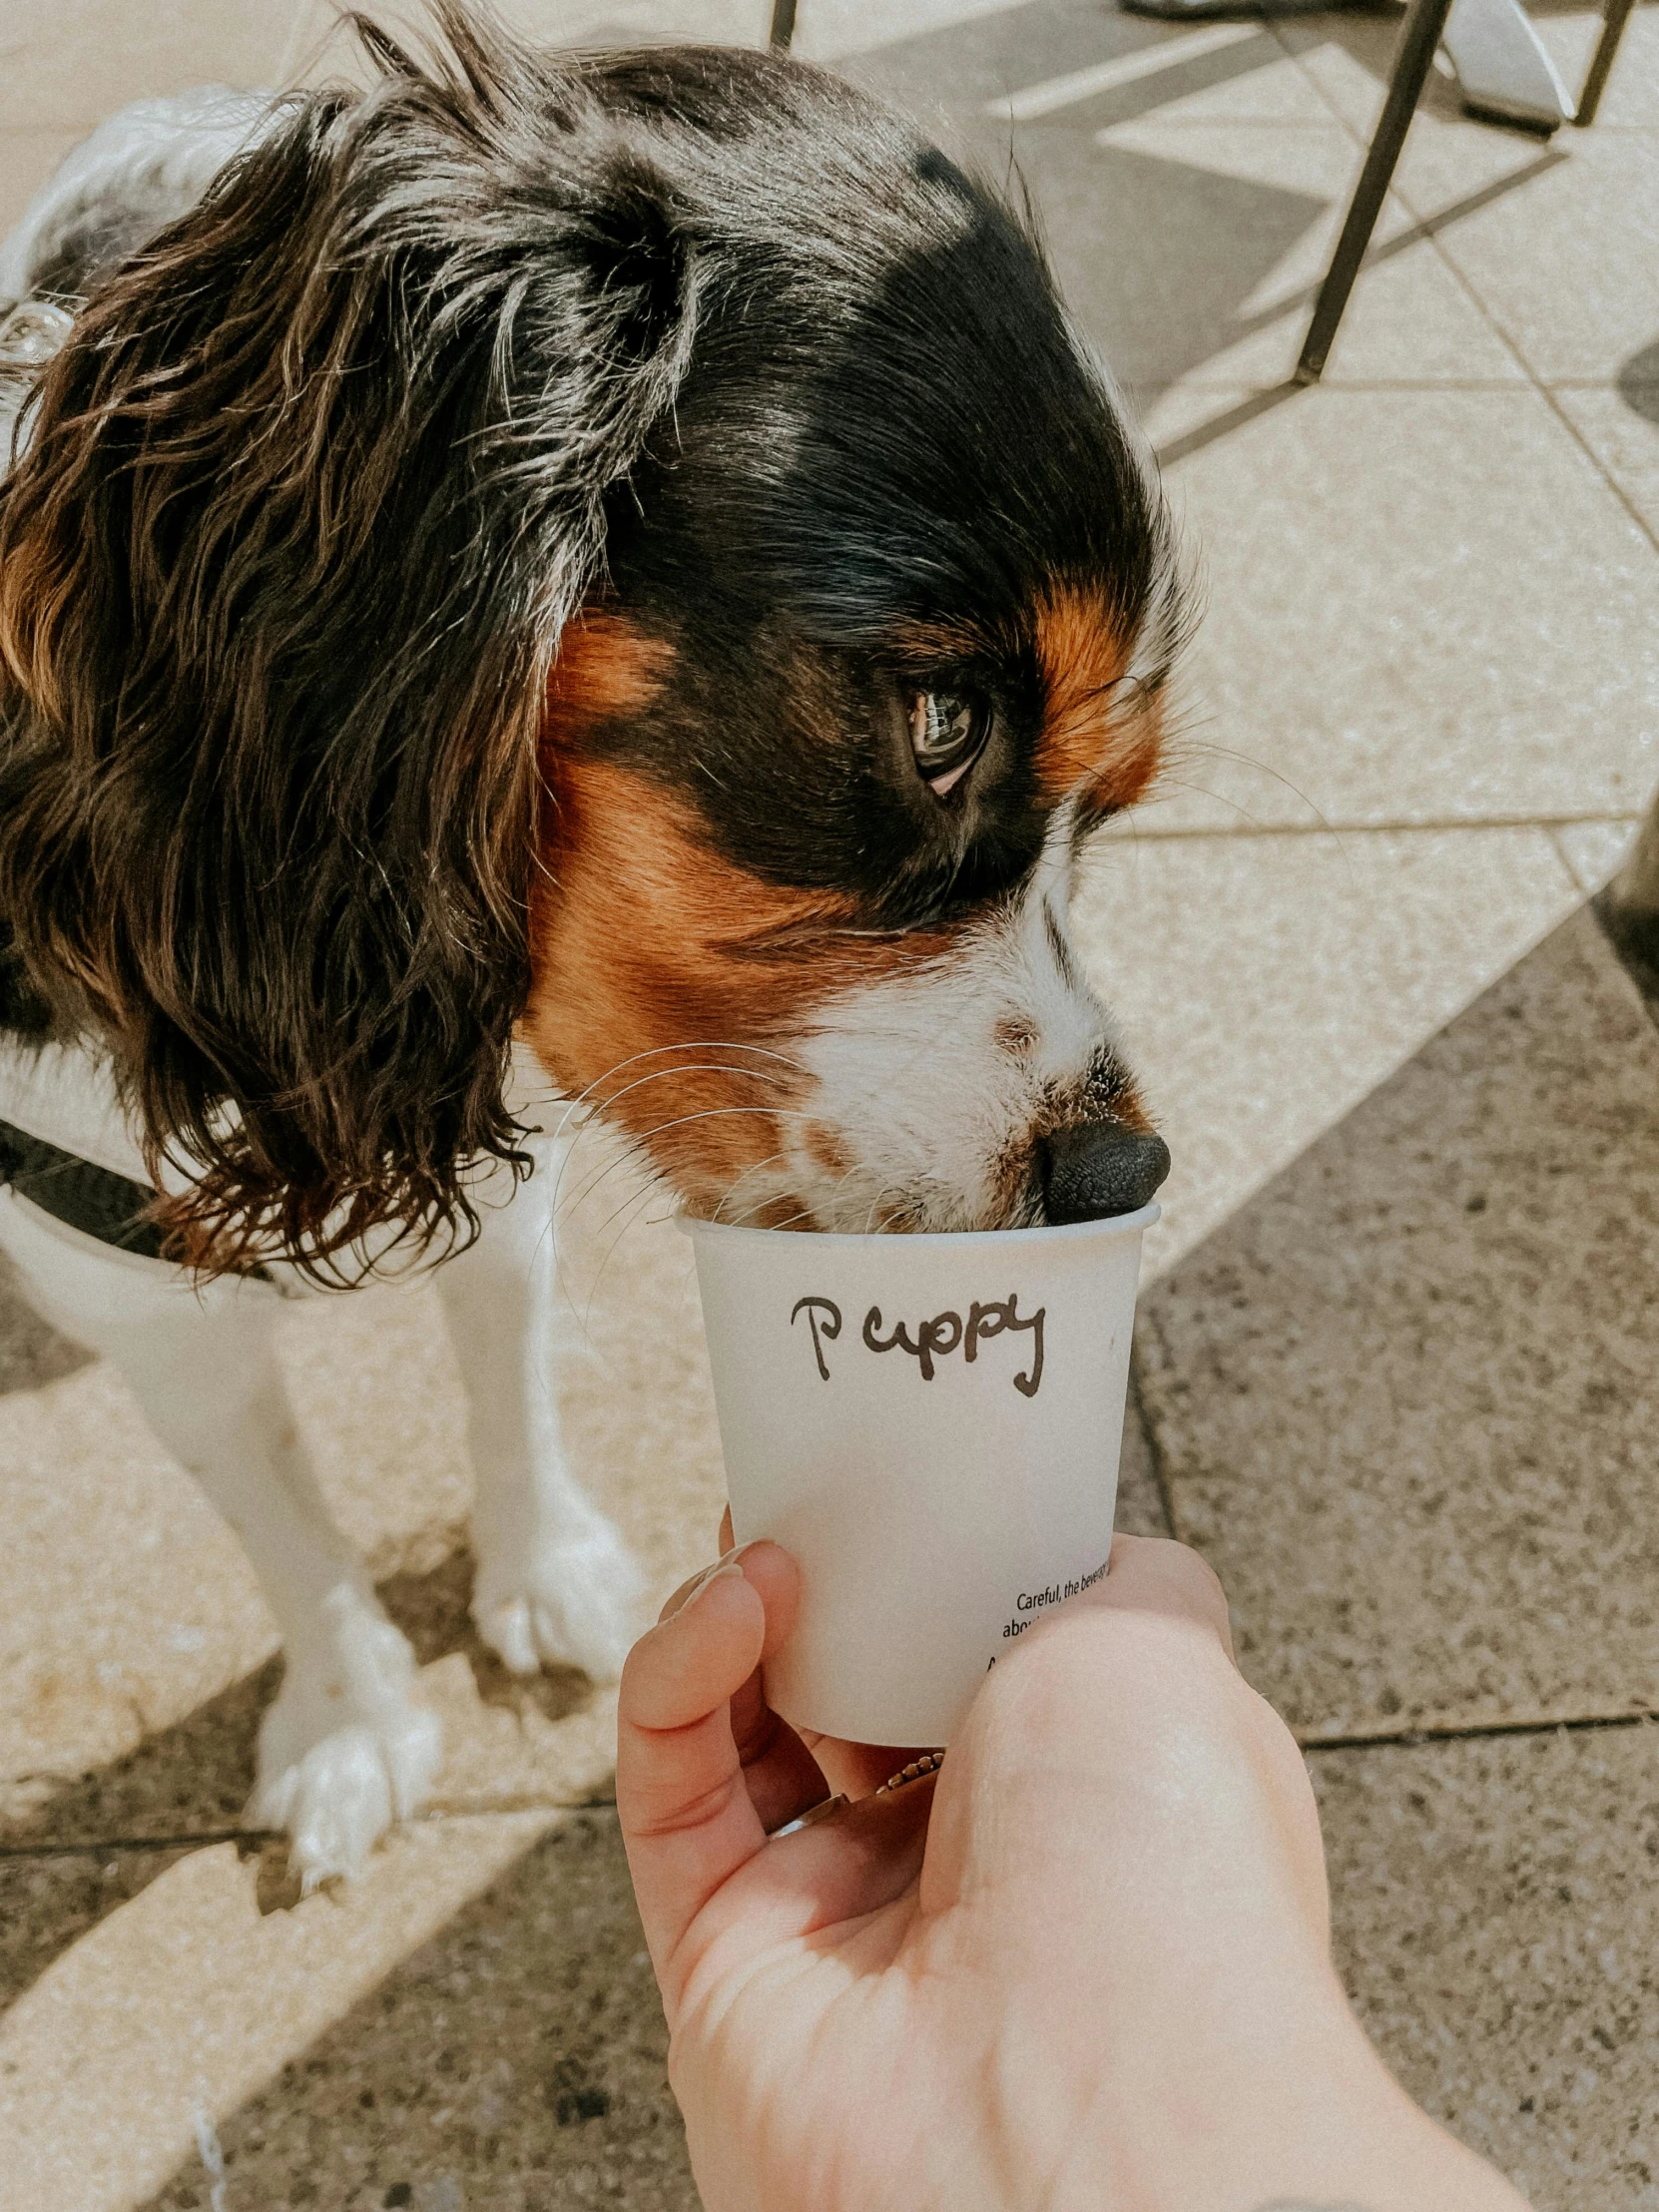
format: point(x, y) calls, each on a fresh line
point(1132, 1113)
point(825, 1150)
point(1090, 742)
point(645, 940)
point(604, 669)
point(1124, 1104)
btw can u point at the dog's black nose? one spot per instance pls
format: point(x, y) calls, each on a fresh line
point(1096, 1168)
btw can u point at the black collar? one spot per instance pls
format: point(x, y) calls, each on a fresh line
point(101, 1204)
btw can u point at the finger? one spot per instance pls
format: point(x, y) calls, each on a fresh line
point(728, 1549)
point(1153, 1574)
point(817, 1763)
point(686, 1813)
point(783, 1777)
point(678, 1597)
point(1087, 1702)
point(1146, 1574)
point(687, 1820)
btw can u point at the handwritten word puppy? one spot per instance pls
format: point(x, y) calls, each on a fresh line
point(935, 1338)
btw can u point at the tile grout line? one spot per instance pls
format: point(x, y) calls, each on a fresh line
point(1536, 379)
point(1342, 382)
point(1433, 826)
point(1473, 1731)
point(1565, 857)
point(203, 1838)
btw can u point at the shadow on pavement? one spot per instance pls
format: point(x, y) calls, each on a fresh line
point(1449, 1299)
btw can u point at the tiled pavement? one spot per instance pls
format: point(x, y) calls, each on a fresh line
point(1400, 1361)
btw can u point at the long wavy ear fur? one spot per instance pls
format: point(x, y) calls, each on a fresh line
point(309, 497)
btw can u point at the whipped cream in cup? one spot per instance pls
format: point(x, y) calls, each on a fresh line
point(931, 1424)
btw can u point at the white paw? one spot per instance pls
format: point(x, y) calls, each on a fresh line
point(346, 1750)
point(576, 1602)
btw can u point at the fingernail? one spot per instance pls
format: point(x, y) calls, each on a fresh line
point(717, 1573)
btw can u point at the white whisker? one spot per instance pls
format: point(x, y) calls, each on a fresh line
point(639, 1083)
point(639, 1201)
point(739, 1181)
point(803, 1213)
point(700, 1044)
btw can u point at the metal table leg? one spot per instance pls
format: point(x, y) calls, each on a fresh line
point(1424, 24)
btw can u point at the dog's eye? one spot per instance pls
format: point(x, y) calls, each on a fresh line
point(947, 735)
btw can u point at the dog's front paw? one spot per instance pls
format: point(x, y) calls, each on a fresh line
point(576, 1601)
point(346, 1750)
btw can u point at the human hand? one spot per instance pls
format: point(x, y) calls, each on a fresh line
point(1087, 1966)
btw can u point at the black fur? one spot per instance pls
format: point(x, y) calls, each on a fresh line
point(324, 470)
point(887, 429)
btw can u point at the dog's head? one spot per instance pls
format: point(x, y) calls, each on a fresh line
point(626, 548)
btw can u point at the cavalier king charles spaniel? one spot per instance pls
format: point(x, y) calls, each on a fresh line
point(610, 572)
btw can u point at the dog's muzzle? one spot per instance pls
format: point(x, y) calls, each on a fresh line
point(1097, 1168)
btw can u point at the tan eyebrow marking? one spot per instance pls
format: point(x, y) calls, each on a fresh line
point(605, 668)
point(1091, 741)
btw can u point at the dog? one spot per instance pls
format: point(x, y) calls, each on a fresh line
point(608, 573)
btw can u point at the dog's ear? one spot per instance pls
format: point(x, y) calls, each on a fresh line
point(307, 500)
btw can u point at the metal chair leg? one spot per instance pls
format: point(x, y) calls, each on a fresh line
point(1601, 62)
point(1424, 22)
point(783, 23)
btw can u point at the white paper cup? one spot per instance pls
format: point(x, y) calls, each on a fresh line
point(931, 1424)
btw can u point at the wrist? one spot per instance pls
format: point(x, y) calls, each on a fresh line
point(1288, 2105)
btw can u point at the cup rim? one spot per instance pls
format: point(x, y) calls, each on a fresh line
point(1044, 1233)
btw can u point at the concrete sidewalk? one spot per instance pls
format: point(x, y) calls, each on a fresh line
point(1399, 1366)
